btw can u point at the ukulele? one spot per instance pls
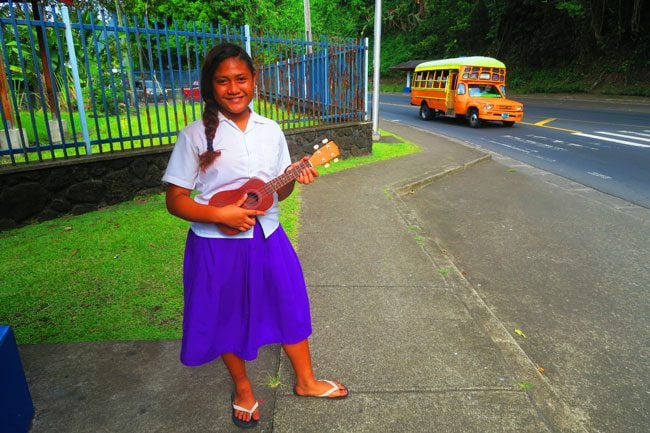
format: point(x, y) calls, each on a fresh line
point(259, 194)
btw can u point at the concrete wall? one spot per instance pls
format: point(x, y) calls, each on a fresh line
point(43, 191)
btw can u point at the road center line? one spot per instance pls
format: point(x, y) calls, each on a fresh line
point(545, 121)
point(551, 127)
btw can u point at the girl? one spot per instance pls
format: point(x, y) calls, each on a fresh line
point(246, 290)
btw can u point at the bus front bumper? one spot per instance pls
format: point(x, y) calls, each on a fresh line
point(514, 116)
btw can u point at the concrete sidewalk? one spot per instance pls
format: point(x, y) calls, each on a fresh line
point(393, 319)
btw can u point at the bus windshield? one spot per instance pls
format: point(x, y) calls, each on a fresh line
point(484, 91)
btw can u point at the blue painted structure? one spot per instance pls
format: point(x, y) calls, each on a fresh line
point(16, 407)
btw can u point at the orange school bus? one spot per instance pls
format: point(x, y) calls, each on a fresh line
point(469, 87)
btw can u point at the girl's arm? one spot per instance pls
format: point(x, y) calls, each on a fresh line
point(307, 176)
point(180, 204)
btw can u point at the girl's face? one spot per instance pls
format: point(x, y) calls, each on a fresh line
point(233, 85)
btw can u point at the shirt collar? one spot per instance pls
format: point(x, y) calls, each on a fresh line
point(255, 118)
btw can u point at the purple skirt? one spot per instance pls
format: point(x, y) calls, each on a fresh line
point(241, 294)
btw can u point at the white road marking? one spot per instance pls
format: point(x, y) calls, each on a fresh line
point(614, 140)
point(622, 135)
point(600, 175)
point(531, 152)
point(513, 147)
point(647, 133)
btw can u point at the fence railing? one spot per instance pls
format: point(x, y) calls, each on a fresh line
point(88, 82)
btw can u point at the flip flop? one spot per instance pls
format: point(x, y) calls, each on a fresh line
point(240, 422)
point(326, 394)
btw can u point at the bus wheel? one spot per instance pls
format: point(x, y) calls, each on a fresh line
point(426, 113)
point(508, 122)
point(474, 120)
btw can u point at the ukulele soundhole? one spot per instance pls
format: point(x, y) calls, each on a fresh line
point(252, 199)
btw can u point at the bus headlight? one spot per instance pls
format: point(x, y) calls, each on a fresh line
point(520, 108)
point(487, 106)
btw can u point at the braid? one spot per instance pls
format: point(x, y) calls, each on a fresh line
point(210, 123)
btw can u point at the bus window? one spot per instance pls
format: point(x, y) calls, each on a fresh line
point(490, 92)
point(461, 89)
point(484, 91)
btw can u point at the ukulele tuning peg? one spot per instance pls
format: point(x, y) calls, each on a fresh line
point(327, 165)
point(325, 140)
point(316, 146)
point(336, 160)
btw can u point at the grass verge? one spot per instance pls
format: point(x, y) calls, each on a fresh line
point(113, 274)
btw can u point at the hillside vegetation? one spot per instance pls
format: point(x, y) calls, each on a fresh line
point(572, 46)
point(595, 46)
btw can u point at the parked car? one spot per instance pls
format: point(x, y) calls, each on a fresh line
point(192, 93)
point(150, 90)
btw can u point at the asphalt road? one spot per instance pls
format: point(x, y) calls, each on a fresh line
point(600, 143)
point(564, 263)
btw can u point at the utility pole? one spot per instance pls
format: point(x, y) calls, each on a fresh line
point(375, 72)
point(308, 36)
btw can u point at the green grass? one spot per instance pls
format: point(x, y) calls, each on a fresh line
point(113, 274)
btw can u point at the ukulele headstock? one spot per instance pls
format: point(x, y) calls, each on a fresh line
point(323, 154)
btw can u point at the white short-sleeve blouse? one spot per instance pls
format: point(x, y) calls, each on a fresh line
point(260, 151)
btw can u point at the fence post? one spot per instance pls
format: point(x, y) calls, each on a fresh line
point(75, 77)
point(247, 39)
point(4, 90)
point(365, 79)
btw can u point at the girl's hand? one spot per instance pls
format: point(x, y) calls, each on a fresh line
point(238, 217)
point(307, 175)
point(180, 203)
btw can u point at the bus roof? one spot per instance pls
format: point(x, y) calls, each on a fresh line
point(457, 62)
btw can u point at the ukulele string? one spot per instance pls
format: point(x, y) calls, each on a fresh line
point(275, 184)
point(288, 176)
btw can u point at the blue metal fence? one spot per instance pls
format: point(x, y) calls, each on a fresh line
point(81, 83)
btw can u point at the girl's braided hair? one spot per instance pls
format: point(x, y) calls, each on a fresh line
point(210, 116)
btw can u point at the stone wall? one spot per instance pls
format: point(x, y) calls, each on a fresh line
point(47, 190)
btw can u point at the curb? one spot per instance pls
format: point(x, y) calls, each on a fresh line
point(411, 186)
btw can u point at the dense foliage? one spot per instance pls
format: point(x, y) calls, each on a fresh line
point(595, 42)
point(552, 45)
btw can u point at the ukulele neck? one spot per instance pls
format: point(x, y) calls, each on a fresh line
point(290, 175)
